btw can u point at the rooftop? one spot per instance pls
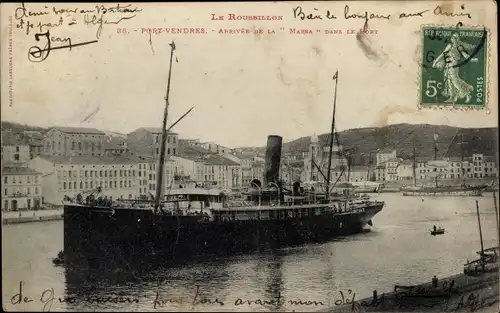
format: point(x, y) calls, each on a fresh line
point(218, 160)
point(18, 170)
point(155, 130)
point(387, 150)
point(406, 162)
point(91, 159)
point(10, 139)
point(78, 130)
point(359, 168)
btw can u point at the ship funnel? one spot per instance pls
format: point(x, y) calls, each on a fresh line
point(273, 158)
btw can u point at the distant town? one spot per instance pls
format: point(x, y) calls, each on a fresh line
point(41, 167)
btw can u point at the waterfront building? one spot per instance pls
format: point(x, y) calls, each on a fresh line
point(385, 155)
point(391, 169)
point(70, 176)
point(73, 141)
point(319, 154)
point(475, 166)
point(14, 150)
point(21, 188)
point(258, 169)
point(149, 139)
point(186, 168)
point(358, 173)
point(219, 172)
point(115, 146)
point(380, 172)
point(404, 170)
point(246, 163)
point(146, 176)
point(291, 170)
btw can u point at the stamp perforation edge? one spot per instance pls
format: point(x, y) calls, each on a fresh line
point(457, 107)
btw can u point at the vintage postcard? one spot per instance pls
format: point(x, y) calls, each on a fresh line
point(334, 156)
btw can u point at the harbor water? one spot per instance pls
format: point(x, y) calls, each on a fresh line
point(398, 250)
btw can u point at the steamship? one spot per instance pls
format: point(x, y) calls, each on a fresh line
point(188, 222)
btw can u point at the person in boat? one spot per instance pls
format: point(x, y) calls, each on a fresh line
point(435, 229)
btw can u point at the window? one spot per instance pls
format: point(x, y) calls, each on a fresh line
point(5, 180)
point(16, 157)
point(69, 173)
point(69, 185)
point(17, 149)
point(86, 185)
point(74, 185)
point(81, 185)
point(5, 191)
point(173, 150)
point(29, 191)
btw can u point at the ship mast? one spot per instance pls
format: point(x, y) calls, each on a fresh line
point(336, 77)
point(159, 177)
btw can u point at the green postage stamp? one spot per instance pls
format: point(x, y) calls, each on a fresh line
point(454, 67)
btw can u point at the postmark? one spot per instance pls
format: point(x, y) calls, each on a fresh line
point(454, 67)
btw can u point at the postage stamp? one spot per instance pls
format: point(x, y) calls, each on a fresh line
point(454, 67)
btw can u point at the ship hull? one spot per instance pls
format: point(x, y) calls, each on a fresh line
point(95, 235)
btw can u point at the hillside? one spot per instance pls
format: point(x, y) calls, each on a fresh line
point(17, 128)
point(362, 141)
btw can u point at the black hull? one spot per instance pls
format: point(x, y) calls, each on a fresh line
point(115, 236)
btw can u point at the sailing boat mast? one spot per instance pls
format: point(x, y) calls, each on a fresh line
point(159, 176)
point(435, 156)
point(480, 232)
point(336, 77)
point(462, 172)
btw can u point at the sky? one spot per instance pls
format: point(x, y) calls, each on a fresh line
point(243, 87)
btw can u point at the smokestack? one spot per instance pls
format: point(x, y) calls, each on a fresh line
point(273, 158)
